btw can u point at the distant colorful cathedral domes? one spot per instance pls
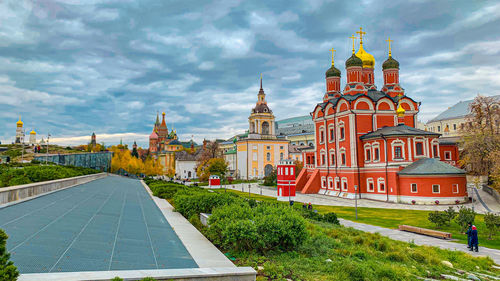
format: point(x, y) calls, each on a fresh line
point(160, 138)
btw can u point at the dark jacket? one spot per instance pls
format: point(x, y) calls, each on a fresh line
point(469, 232)
point(473, 236)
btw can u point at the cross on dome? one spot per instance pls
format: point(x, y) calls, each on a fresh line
point(361, 33)
point(389, 41)
point(333, 51)
point(353, 41)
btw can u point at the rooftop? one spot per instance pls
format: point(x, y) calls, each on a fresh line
point(430, 166)
point(399, 130)
point(459, 110)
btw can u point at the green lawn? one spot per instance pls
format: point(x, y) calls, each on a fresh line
point(392, 218)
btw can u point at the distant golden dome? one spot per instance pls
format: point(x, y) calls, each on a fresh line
point(32, 132)
point(368, 59)
point(19, 123)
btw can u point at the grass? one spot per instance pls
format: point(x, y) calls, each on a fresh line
point(392, 218)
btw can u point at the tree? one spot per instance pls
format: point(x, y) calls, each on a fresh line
point(465, 216)
point(214, 166)
point(272, 178)
point(122, 159)
point(8, 270)
point(211, 150)
point(480, 140)
point(135, 153)
point(438, 218)
point(298, 167)
point(492, 222)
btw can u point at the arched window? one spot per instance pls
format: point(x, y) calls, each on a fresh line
point(268, 156)
point(265, 128)
point(281, 156)
point(252, 127)
point(332, 157)
point(341, 131)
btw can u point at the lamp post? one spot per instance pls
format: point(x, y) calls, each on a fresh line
point(356, 200)
point(47, 152)
point(22, 143)
point(289, 198)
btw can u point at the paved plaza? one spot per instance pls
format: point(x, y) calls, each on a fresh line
point(107, 224)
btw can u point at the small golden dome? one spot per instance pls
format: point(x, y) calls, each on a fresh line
point(400, 111)
point(368, 59)
point(19, 123)
point(32, 132)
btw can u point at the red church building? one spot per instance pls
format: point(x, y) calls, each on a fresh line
point(366, 138)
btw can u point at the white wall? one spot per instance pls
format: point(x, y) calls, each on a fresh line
point(182, 169)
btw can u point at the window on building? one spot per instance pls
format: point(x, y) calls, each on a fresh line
point(435, 151)
point(255, 156)
point(337, 184)
point(268, 147)
point(419, 148)
point(291, 171)
point(398, 152)
point(323, 160)
point(268, 156)
point(322, 136)
point(455, 127)
point(435, 188)
point(281, 147)
point(344, 185)
point(332, 158)
point(381, 185)
point(342, 155)
point(342, 133)
point(414, 188)
point(439, 128)
point(281, 156)
point(286, 171)
point(254, 147)
point(330, 183)
point(447, 155)
point(368, 154)
point(455, 188)
point(323, 182)
point(376, 154)
point(332, 135)
point(371, 186)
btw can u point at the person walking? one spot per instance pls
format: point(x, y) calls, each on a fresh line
point(469, 233)
point(310, 206)
point(474, 240)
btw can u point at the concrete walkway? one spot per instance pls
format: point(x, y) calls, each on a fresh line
point(318, 199)
point(422, 239)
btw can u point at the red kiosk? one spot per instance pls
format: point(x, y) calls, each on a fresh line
point(286, 180)
point(214, 181)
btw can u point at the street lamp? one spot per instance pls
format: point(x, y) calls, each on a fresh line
point(47, 152)
point(356, 200)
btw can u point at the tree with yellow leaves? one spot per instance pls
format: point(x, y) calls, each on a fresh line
point(122, 159)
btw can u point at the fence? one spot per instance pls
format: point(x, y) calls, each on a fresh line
point(96, 160)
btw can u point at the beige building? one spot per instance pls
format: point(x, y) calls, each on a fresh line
point(449, 122)
point(259, 152)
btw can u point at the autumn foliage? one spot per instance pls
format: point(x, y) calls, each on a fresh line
point(123, 159)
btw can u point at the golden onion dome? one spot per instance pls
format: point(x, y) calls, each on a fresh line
point(19, 123)
point(368, 59)
point(400, 111)
point(32, 132)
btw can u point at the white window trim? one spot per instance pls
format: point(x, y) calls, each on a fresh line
point(435, 142)
point(439, 188)
point(375, 146)
point(330, 183)
point(367, 147)
point(331, 127)
point(415, 141)
point(344, 180)
point(341, 125)
point(339, 161)
point(368, 181)
point(453, 188)
point(411, 187)
point(323, 182)
point(400, 143)
point(322, 130)
point(447, 152)
point(379, 182)
point(337, 184)
point(321, 154)
point(331, 159)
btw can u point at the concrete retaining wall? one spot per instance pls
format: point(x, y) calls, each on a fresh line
point(492, 192)
point(13, 194)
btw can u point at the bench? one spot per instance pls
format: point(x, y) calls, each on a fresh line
point(425, 231)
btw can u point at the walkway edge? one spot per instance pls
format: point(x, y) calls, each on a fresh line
point(229, 274)
point(204, 253)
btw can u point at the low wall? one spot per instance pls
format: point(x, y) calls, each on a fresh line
point(492, 192)
point(16, 193)
point(187, 274)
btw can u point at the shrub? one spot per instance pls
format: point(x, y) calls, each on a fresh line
point(331, 218)
point(263, 228)
point(271, 179)
point(465, 216)
point(492, 222)
point(189, 204)
point(8, 270)
point(438, 218)
point(450, 214)
point(117, 279)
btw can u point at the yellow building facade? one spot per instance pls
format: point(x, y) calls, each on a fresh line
point(259, 152)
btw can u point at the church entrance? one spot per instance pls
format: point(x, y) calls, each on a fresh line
point(268, 169)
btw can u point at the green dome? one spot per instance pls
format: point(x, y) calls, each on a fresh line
point(332, 71)
point(390, 63)
point(353, 61)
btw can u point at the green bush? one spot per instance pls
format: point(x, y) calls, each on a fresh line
point(35, 173)
point(440, 219)
point(263, 228)
point(331, 218)
point(202, 202)
point(465, 216)
point(8, 271)
point(492, 222)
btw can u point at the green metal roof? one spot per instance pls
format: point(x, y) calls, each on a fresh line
point(431, 166)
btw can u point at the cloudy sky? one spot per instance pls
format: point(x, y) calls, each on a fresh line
point(72, 67)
